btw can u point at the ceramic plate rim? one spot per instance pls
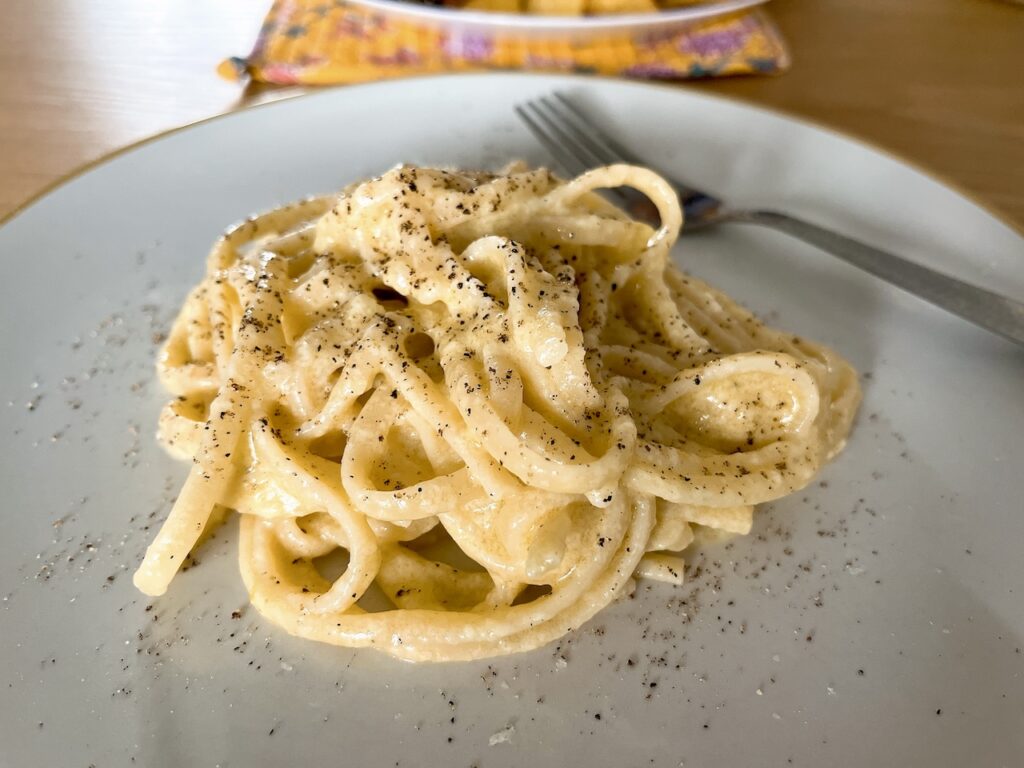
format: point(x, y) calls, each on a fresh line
point(441, 15)
point(691, 90)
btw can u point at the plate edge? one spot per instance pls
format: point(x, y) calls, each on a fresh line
point(941, 179)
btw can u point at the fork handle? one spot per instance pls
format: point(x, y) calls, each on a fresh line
point(992, 311)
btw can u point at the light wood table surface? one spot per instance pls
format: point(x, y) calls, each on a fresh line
point(940, 82)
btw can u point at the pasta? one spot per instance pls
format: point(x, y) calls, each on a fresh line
point(457, 413)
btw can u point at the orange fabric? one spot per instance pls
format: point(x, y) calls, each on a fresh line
point(319, 42)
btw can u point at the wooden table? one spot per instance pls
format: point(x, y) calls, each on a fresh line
point(940, 82)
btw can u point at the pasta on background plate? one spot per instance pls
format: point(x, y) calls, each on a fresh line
point(459, 412)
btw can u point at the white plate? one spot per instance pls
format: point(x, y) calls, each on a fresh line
point(522, 25)
point(832, 636)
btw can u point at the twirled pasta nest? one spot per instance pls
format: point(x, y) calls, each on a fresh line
point(493, 393)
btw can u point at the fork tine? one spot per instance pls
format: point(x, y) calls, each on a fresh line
point(564, 136)
point(599, 143)
point(696, 203)
point(570, 153)
point(569, 162)
point(567, 134)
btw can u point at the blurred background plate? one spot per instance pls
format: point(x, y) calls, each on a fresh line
point(524, 25)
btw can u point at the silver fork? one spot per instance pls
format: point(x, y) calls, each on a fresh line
point(578, 145)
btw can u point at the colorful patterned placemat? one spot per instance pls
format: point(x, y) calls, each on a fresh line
point(319, 42)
